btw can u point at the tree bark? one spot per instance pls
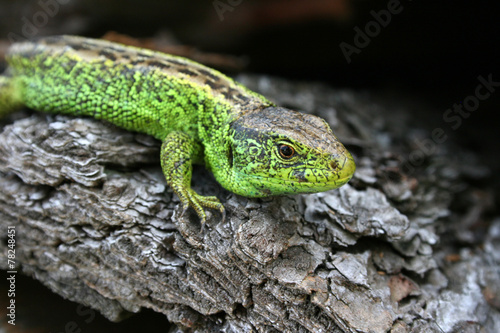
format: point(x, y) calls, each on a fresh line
point(393, 250)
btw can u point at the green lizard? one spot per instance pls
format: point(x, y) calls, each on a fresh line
point(253, 147)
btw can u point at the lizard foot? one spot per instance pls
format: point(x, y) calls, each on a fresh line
point(198, 202)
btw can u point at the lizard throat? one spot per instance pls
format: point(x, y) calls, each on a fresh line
point(260, 186)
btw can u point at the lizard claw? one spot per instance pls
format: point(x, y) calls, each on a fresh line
point(184, 210)
point(223, 212)
point(199, 203)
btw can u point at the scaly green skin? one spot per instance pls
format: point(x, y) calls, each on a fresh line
point(253, 147)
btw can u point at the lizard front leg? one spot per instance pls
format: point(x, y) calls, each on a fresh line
point(177, 151)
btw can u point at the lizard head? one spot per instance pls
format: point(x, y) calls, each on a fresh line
point(279, 151)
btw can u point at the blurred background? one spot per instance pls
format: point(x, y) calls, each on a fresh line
point(429, 51)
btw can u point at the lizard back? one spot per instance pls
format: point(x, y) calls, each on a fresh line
point(136, 89)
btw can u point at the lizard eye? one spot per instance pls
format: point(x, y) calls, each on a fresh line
point(286, 151)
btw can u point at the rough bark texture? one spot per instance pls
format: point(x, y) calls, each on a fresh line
point(395, 250)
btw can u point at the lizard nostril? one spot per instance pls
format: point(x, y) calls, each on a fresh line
point(333, 165)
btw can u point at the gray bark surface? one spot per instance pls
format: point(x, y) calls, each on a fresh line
point(394, 250)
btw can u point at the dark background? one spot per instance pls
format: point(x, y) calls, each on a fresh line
point(431, 52)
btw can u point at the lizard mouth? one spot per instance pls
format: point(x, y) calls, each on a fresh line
point(278, 186)
point(268, 186)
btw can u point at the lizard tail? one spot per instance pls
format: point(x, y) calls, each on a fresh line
point(10, 97)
